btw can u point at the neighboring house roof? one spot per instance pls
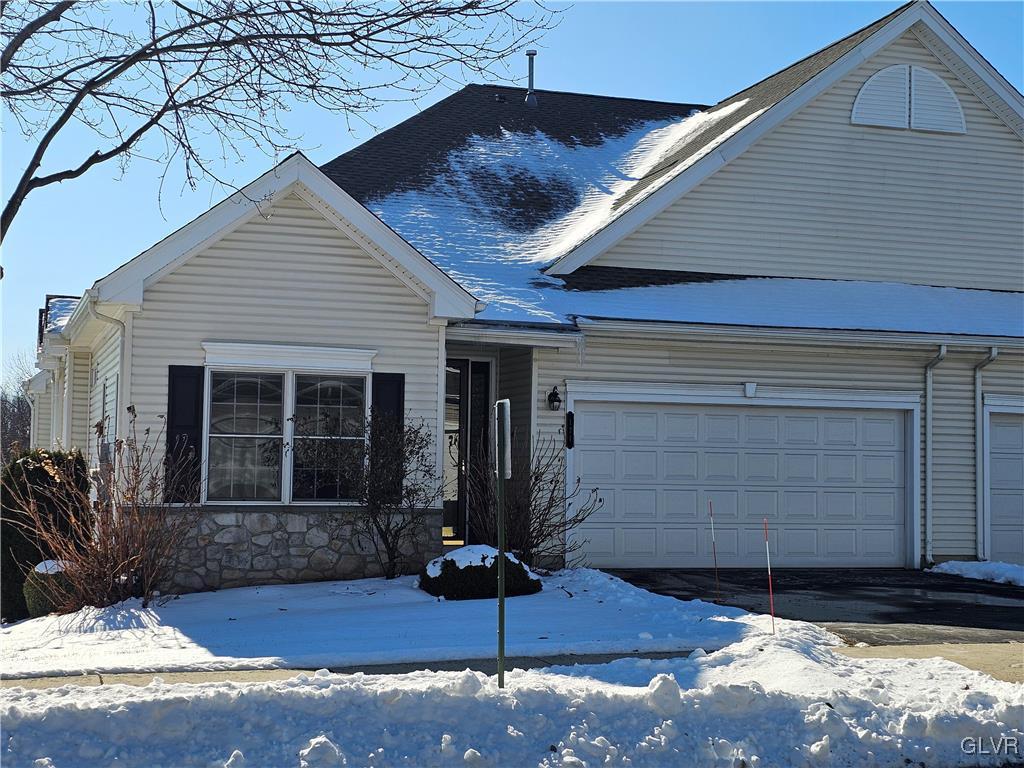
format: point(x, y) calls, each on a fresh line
point(55, 313)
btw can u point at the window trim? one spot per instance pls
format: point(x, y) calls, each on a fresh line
point(288, 436)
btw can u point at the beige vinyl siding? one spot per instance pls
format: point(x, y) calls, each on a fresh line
point(42, 417)
point(289, 278)
point(103, 391)
point(818, 197)
point(1005, 376)
point(80, 432)
point(721, 361)
point(515, 377)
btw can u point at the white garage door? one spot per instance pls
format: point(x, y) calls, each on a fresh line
point(830, 483)
point(1006, 486)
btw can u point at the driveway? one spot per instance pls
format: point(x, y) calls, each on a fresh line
point(872, 606)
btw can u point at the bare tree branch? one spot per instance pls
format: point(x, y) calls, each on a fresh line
point(163, 80)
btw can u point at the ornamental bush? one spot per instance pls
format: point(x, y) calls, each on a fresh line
point(43, 591)
point(22, 478)
point(455, 578)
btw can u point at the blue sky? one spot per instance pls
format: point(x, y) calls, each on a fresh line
point(68, 235)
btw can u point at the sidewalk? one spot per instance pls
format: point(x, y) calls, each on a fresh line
point(1003, 661)
point(487, 666)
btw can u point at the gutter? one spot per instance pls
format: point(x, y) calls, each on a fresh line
point(981, 514)
point(928, 495)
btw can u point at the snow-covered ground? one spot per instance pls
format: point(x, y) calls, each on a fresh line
point(371, 621)
point(762, 701)
point(1001, 573)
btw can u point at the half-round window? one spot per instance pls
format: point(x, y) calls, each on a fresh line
point(909, 97)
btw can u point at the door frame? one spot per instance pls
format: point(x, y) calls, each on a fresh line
point(992, 404)
point(754, 394)
point(492, 384)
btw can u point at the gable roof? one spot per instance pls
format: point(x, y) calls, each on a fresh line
point(297, 174)
point(737, 122)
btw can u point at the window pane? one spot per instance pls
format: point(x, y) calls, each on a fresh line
point(326, 469)
point(246, 403)
point(330, 406)
point(244, 469)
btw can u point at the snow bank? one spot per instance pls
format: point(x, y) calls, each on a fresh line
point(473, 554)
point(1001, 573)
point(760, 702)
point(371, 621)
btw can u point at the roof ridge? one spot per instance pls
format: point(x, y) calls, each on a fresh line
point(555, 91)
point(880, 22)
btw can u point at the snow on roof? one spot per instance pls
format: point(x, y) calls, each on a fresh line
point(58, 311)
point(501, 208)
point(468, 221)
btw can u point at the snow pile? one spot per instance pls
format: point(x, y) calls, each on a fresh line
point(1001, 573)
point(50, 566)
point(760, 702)
point(371, 621)
point(473, 554)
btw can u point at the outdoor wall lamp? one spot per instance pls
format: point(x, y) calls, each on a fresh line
point(554, 399)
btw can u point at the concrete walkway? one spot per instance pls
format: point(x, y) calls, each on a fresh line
point(487, 666)
point(1003, 661)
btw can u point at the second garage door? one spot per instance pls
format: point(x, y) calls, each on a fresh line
point(830, 482)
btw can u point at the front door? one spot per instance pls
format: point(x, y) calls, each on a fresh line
point(467, 406)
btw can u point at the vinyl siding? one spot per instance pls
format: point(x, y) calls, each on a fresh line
point(42, 417)
point(106, 366)
point(80, 432)
point(515, 374)
point(776, 364)
point(818, 197)
point(290, 278)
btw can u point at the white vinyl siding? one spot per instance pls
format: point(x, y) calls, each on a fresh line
point(819, 197)
point(103, 388)
point(776, 364)
point(289, 278)
point(81, 434)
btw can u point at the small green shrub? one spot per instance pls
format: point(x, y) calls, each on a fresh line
point(18, 549)
point(39, 591)
point(476, 582)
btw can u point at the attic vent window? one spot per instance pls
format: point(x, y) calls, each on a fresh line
point(909, 97)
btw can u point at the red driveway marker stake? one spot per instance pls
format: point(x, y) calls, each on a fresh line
point(714, 551)
point(771, 596)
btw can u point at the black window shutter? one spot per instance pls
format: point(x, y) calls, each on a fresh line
point(184, 431)
point(388, 399)
point(387, 412)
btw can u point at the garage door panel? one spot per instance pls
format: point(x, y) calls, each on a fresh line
point(831, 485)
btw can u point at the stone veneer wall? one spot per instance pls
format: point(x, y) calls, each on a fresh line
point(244, 546)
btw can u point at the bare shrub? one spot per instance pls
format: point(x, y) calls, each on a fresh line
point(120, 541)
point(540, 512)
point(397, 490)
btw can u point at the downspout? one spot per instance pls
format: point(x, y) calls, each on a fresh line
point(981, 525)
point(121, 362)
point(928, 501)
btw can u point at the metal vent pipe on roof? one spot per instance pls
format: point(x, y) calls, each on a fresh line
point(531, 97)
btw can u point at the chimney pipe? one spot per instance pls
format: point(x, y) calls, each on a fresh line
point(531, 97)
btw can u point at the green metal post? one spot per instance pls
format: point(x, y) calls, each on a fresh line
point(503, 472)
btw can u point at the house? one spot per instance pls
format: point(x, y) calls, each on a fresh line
point(802, 305)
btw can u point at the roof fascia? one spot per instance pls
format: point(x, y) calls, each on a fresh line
point(126, 284)
point(739, 142)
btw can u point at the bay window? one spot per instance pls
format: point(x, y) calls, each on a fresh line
point(284, 436)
